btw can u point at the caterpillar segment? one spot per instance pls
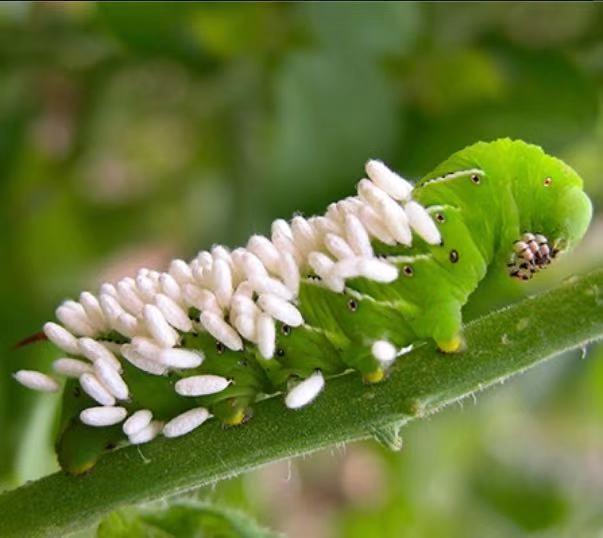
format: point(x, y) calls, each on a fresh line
point(349, 290)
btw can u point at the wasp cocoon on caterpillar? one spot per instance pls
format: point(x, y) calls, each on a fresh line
point(351, 290)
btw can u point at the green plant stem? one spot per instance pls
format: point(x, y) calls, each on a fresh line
point(498, 345)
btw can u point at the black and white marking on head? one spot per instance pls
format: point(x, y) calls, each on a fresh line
point(530, 254)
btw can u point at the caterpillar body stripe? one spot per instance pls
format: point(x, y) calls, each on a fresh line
point(349, 290)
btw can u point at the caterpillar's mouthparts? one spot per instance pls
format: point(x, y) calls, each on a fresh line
point(530, 254)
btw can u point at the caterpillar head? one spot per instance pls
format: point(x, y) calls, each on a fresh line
point(554, 213)
point(531, 253)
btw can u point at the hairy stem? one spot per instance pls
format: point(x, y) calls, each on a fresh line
point(498, 345)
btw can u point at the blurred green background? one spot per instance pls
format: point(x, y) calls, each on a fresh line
point(130, 134)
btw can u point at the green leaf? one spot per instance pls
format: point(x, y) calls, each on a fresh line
point(532, 503)
point(321, 107)
point(160, 29)
point(537, 96)
point(364, 28)
point(499, 345)
point(336, 100)
point(127, 525)
point(182, 520)
point(153, 29)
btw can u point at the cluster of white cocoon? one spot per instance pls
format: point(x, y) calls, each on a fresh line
point(240, 295)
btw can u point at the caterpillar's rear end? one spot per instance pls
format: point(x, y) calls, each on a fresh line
point(350, 290)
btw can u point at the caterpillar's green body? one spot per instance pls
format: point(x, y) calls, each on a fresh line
point(482, 200)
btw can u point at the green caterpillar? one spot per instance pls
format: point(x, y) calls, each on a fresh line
point(352, 289)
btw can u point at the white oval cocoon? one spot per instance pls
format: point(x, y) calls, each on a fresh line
point(170, 287)
point(93, 310)
point(36, 381)
point(145, 286)
point(395, 221)
point(334, 214)
point(320, 263)
point(349, 206)
point(246, 325)
point(127, 325)
point(128, 298)
point(111, 379)
point(71, 367)
point(147, 434)
point(280, 309)
point(281, 227)
point(422, 223)
point(241, 304)
point(222, 282)
point(159, 328)
point(282, 238)
point(201, 299)
point(94, 351)
point(244, 289)
point(252, 266)
point(73, 316)
point(173, 313)
point(137, 421)
point(387, 180)
point(186, 422)
point(141, 362)
point(205, 259)
point(61, 338)
point(305, 391)
point(220, 252)
point(289, 272)
point(96, 390)
point(146, 347)
point(221, 330)
point(303, 235)
point(378, 270)
point(201, 385)
point(371, 194)
point(111, 308)
point(338, 246)
point(266, 333)
point(180, 358)
point(375, 226)
point(357, 236)
point(103, 416)
point(383, 350)
point(181, 271)
point(323, 226)
point(265, 251)
point(107, 289)
point(267, 284)
point(334, 283)
point(348, 268)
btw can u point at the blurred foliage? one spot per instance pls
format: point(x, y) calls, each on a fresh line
point(181, 520)
point(132, 134)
